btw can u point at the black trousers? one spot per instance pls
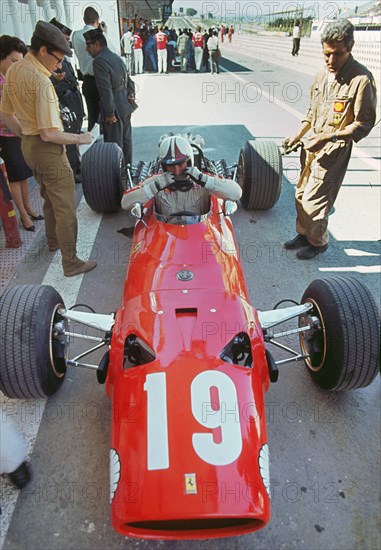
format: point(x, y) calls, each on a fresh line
point(295, 46)
point(120, 133)
point(74, 102)
point(91, 94)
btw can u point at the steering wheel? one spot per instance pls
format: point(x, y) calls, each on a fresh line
point(182, 213)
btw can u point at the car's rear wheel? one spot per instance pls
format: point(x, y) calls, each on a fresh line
point(259, 174)
point(103, 178)
point(33, 351)
point(344, 342)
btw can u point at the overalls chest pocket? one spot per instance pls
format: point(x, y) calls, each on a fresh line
point(338, 109)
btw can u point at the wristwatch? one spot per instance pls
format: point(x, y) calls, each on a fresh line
point(334, 138)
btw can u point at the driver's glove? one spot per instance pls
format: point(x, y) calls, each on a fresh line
point(199, 177)
point(157, 182)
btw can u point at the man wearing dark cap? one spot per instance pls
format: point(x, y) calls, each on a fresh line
point(63, 28)
point(116, 90)
point(30, 108)
point(66, 85)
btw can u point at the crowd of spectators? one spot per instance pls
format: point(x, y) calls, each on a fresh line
point(146, 49)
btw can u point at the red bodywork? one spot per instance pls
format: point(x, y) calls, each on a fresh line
point(189, 455)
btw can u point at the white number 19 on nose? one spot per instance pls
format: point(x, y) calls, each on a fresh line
point(207, 414)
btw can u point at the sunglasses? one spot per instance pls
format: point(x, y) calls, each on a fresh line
point(59, 60)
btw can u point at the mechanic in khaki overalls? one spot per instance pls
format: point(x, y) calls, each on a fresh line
point(182, 192)
point(342, 110)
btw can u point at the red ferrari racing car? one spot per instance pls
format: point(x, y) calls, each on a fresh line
point(188, 356)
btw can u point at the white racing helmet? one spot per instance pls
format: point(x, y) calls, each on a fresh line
point(175, 150)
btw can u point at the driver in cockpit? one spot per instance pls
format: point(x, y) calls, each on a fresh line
point(181, 189)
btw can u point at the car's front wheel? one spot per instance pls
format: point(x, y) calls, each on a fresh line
point(343, 343)
point(32, 342)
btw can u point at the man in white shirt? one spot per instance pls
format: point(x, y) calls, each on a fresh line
point(214, 52)
point(127, 43)
point(296, 38)
point(89, 88)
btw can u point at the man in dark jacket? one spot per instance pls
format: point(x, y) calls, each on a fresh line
point(66, 85)
point(150, 51)
point(116, 90)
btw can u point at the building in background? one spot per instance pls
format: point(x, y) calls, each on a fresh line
point(19, 17)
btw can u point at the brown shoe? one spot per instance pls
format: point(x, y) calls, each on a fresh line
point(84, 267)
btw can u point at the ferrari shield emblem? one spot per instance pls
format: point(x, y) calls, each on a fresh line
point(190, 484)
point(339, 106)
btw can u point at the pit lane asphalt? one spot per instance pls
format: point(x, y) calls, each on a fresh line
point(324, 459)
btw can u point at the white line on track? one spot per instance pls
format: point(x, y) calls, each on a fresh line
point(88, 225)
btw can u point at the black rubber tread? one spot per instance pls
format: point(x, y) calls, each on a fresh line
point(25, 335)
point(101, 171)
point(260, 174)
point(352, 321)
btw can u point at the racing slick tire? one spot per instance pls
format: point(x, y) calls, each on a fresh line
point(32, 362)
point(260, 174)
point(102, 168)
point(344, 344)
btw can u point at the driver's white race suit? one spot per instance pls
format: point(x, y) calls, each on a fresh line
point(168, 202)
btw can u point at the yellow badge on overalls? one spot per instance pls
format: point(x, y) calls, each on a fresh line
point(336, 119)
point(338, 108)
